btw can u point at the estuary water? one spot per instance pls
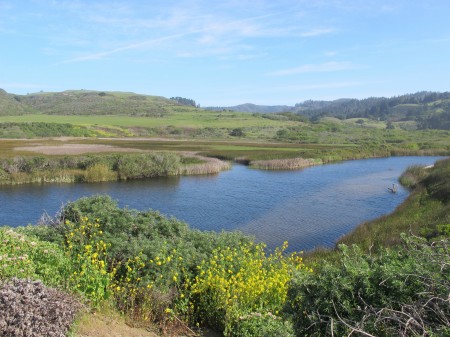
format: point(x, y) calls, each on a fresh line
point(308, 208)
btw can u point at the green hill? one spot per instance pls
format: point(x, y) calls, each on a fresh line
point(87, 102)
point(11, 105)
point(429, 110)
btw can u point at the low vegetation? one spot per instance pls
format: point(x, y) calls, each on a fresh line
point(31, 309)
point(284, 164)
point(103, 167)
point(402, 291)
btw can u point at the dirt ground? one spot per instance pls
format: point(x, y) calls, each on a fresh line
point(95, 325)
point(112, 325)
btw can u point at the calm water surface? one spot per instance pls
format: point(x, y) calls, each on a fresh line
point(309, 208)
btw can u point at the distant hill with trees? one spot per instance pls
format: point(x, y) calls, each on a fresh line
point(87, 102)
point(428, 110)
point(11, 105)
point(253, 108)
point(184, 101)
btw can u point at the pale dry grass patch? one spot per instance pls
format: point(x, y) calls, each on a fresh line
point(285, 164)
point(209, 166)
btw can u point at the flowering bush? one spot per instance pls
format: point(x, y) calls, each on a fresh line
point(235, 283)
point(87, 251)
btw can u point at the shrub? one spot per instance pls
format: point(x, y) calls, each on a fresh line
point(262, 325)
point(233, 284)
point(438, 181)
point(401, 291)
point(27, 257)
point(99, 172)
point(87, 251)
point(30, 309)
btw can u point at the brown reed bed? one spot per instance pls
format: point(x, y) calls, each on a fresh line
point(285, 164)
point(207, 166)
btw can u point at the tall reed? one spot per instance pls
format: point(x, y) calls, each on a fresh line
point(285, 164)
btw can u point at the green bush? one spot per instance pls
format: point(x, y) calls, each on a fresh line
point(398, 291)
point(149, 257)
point(134, 166)
point(438, 181)
point(25, 256)
point(262, 325)
point(99, 172)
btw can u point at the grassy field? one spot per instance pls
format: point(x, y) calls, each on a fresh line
point(228, 135)
point(194, 119)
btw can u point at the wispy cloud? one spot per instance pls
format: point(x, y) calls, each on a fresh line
point(102, 55)
point(317, 32)
point(314, 68)
point(213, 32)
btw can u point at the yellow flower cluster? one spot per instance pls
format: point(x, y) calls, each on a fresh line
point(239, 281)
point(88, 252)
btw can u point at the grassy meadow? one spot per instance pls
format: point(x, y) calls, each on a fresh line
point(189, 119)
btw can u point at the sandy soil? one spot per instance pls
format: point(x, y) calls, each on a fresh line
point(101, 326)
point(74, 149)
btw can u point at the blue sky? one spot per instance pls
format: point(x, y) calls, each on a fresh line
point(227, 52)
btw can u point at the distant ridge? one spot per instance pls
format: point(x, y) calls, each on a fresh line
point(253, 108)
point(426, 109)
point(88, 102)
point(429, 109)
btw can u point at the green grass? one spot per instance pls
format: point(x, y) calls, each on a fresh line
point(196, 119)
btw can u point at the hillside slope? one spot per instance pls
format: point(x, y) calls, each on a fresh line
point(427, 109)
point(86, 102)
point(11, 105)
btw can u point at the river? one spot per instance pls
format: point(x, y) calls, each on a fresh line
point(308, 208)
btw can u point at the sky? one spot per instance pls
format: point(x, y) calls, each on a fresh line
point(223, 53)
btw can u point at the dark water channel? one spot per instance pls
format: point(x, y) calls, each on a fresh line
point(309, 208)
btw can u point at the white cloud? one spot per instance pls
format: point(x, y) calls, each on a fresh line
point(314, 68)
point(317, 32)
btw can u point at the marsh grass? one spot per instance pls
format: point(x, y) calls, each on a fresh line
point(205, 165)
point(412, 176)
point(104, 167)
point(285, 164)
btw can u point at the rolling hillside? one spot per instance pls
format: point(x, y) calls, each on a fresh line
point(422, 110)
point(426, 109)
point(86, 102)
point(11, 105)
